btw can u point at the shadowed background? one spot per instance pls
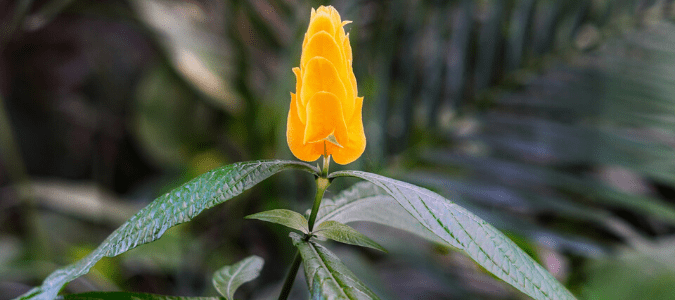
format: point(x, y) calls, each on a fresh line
point(552, 120)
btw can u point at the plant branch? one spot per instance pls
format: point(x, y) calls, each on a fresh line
point(322, 183)
point(290, 277)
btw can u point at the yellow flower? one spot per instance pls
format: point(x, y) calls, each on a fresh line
point(325, 112)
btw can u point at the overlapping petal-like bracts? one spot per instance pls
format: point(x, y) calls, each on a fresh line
point(325, 110)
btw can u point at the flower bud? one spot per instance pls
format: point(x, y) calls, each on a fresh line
point(325, 113)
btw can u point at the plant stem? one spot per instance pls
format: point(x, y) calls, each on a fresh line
point(290, 277)
point(326, 162)
point(322, 184)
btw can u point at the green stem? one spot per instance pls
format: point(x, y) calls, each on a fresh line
point(290, 277)
point(326, 162)
point(322, 184)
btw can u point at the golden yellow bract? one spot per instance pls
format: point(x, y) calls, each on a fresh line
point(325, 111)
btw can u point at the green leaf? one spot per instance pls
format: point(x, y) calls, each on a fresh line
point(365, 201)
point(284, 217)
point(175, 207)
point(229, 278)
point(327, 277)
point(129, 296)
point(464, 230)
point(344, 234)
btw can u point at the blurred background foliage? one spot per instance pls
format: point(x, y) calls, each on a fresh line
point(552, 120)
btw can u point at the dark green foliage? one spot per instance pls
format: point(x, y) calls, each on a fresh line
point(129, 296)
point(551, 120)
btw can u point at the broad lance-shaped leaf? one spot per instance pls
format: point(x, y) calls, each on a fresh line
point(327, 277)
point(464, 230)
point(284, 217)
point(129, 296)
point(229, 278)
point(175, 207)
point(365, 201)
point(344, 234)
